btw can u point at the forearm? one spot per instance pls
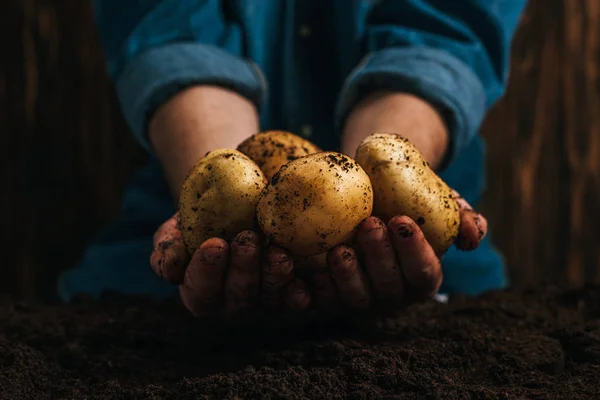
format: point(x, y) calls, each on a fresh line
point(196, 121)
point(454, 55)
point(404, 114)
point(154, 48)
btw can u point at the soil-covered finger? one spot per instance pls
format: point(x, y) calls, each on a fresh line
point(243, 275)
point(379, 260)
point(420, 265)
point(170, 258)
point(202, 289)
point(326, 298)
point(167, 231)
point(473, 225)
point(276, 274)
point(350, 280)
point(297, 298)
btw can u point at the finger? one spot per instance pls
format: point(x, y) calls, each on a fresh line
point(243, 275)
point(473, 226)
point(420, 266)
point(326, 297)
point(202, 287)
point(277, 272)
point(170, 257)
point(350, 280)
point(324, 293)
point(297, 297)
point(379, 260)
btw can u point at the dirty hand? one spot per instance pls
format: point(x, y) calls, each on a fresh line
point(220, 279)
point(389, 265)
point(227, 280)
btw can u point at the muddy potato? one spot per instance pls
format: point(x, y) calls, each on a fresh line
point(219, 197)
point(315, 202)
point(271, 150)
point(403, 184)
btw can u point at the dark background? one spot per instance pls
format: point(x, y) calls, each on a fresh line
point(65, 152)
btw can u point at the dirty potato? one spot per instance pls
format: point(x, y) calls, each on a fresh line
point(271, 150)
point(315, 203)
point(403, 184)
point(219, 197)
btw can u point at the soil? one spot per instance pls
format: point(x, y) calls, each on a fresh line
point(542, 343)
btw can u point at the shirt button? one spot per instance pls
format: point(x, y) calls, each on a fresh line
point(304, 31)
point(306, 131)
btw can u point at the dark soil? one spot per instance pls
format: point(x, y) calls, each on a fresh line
point(539, 344)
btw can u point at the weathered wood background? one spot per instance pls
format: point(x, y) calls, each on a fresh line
point(65, 152)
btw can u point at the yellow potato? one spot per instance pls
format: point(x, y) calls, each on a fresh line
point(219, 197)
point(403, 184)
point(271, 150)
point(315, 203)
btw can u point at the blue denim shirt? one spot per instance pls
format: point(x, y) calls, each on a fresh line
point(304, 64)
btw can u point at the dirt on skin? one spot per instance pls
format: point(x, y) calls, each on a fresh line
point(543, 344)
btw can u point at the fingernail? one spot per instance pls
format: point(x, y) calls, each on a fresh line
point(274, 260)
point(371, 236)
point(478, 224)
point(161, 266)
point(376, 230)
point(405, 231)
point(379, 223)
point(347, 256)
point(245, 238)
point(212, 254)
point(165, 245)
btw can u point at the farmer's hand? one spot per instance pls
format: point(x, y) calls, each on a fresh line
point(220, 278)
point(233, 280)
point(391, 265)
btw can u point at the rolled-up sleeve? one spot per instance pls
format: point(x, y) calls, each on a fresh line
point(156, 48)
point(454, 54)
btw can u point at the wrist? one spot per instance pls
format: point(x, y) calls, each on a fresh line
point(401, 113)
point(195, 121)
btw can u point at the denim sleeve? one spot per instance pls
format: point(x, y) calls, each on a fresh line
point(156, 48)
point(454, 54)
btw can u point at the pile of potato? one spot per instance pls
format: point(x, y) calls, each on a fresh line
point(309, 201)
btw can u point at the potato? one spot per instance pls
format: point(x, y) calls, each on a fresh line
point(403, 184)
point(315, 203)
point(219, 197)
point(271, 150)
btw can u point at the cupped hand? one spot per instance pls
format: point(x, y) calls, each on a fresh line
point(234, 281)
point(389, 266)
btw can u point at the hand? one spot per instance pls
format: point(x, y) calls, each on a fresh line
point(220, 279)
point(233, 280)
point(389, 266)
